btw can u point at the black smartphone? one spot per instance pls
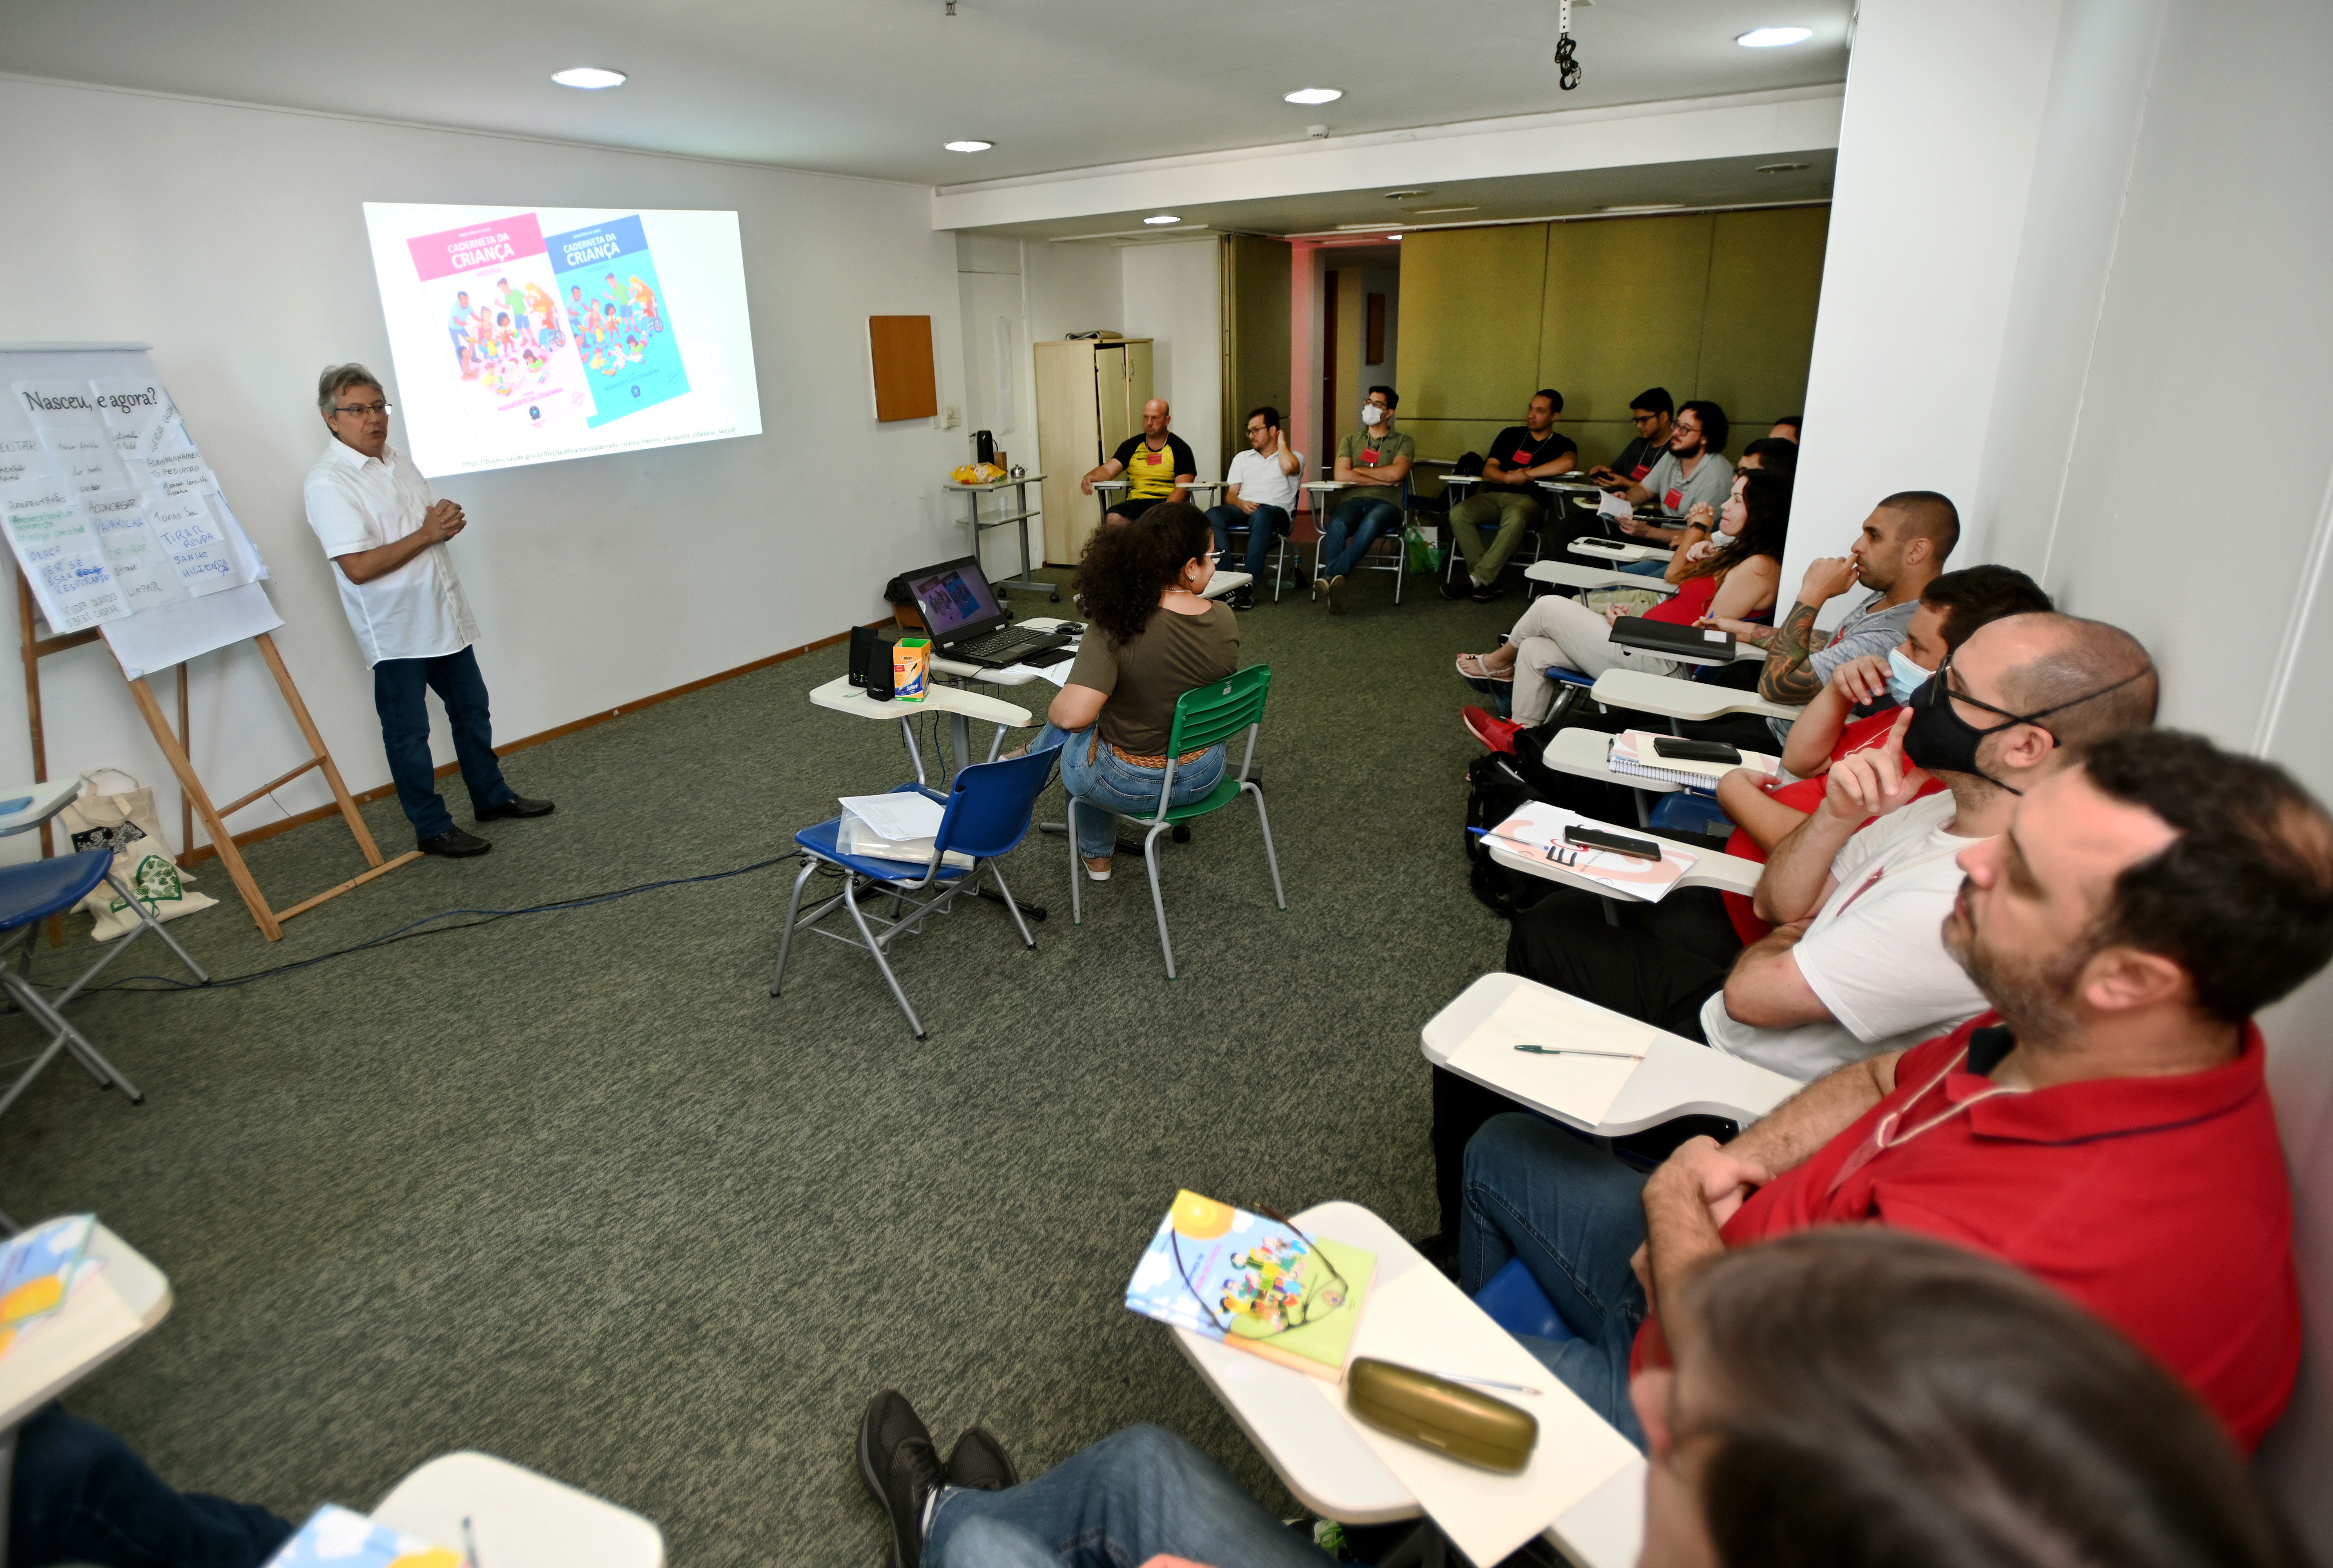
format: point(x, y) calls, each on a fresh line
point(1618, 843)
point(1696, 750)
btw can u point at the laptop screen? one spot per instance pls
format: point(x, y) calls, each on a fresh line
point(954, 598)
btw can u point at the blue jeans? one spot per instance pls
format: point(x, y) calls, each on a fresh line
point(397, 685)
point(1132, 1495)
point(1106, 783)
point(1260, 524)
point(80, 1495)
point(1646, 568)
point(1352, 527)
point(1575, 1215)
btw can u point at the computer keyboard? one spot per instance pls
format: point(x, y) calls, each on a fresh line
point(999, 642)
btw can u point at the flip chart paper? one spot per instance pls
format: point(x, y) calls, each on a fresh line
point(61, 557)
point(197, 550)
point(142, 568)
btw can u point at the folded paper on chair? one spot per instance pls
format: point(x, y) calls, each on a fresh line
point(903, 825)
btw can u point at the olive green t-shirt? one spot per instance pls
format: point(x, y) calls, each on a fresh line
point(1365, 449)
point(1145, 675)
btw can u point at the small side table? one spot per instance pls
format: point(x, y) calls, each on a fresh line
point(1018, 515)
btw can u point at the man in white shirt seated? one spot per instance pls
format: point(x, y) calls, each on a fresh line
point(1259, 496)
point(1857, 894)
point(386, 538)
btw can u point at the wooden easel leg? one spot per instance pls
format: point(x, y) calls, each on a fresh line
point(221, 839)
point(187, 745)
point(266, 641)
point(25, 611)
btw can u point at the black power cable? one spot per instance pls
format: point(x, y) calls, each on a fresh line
point(410, 930)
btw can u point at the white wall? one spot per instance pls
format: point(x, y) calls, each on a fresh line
point(1173, 296)
point(2072, 364)
point(1944, 108)
point(233, 240)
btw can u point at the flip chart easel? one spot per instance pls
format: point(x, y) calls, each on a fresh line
point(196, 800)
point(174, 633)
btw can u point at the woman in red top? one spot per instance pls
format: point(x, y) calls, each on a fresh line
point(1737, 579)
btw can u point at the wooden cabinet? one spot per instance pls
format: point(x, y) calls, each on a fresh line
point(1090, 398)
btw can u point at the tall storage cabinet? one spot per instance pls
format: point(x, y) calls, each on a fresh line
point(1090, 398)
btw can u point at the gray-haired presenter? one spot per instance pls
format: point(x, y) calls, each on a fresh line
point(386, 538)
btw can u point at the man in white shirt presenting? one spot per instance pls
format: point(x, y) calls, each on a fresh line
point(386, 538)
point(1259, 494)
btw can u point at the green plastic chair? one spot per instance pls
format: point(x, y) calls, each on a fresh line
point(1204, 715)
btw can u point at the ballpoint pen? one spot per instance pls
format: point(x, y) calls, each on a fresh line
point(470, 1541)
point(1486, 1382)
point(1576, 1051)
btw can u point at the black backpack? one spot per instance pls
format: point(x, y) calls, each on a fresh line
point(1495, 791)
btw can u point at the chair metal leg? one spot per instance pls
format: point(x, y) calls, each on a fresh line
point(62, 1037)
point(1271, 857)
point(859, 919)
point(1018, 923)
point(793, 912)
point(1157, 901)
point(154, 923)
point(1077, 867)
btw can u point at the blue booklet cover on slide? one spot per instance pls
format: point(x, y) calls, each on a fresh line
point(616, 310)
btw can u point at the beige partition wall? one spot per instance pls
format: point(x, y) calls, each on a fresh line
point(1255, 285)
point(1717, 305)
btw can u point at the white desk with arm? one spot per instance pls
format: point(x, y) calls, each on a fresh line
point(1579, 574)
point(1643, 692)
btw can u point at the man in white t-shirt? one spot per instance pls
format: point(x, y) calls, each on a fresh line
point(386, 538)
point(1259, 496)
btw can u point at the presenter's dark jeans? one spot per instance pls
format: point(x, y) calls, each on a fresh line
point(1575, 1215)
point(1260, 524)
point(80, 1495)
point(397, 687)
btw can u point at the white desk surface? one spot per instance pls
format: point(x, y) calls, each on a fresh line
point(1314, 1447)
point(47, 800)
point(1711, 869)
point(1004, 484)
point(518, 1518)
point(1592, 548)
point(1677, 1077)
point(1569, 485)
point(842, 696)
point(1674, 699)
point(1572, 574)
point(1223, 582)
point(97, 1322)
point(1318, 485)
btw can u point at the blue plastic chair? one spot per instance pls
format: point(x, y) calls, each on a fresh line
point(29, 894)
point(1511, 1299)
point(986, 814)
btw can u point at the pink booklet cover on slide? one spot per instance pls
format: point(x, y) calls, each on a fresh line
point(1537, 832)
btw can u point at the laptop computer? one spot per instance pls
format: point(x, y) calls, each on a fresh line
point(966, 622)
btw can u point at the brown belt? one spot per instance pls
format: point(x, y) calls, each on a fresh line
point(1185, 760)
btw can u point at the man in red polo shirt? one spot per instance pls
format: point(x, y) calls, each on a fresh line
point(2105, 1127)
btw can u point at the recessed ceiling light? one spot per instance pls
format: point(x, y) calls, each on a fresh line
point(590, 78)
point(1431, 211)
point(1782, 168)
point(1775, 38)
point(1400, 194)
point(1162, 219)
point(1645, 206)
point(1315, 95)
point(967, 146)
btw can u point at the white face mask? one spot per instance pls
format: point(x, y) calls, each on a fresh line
point(1371, 414)
point(1904, 677)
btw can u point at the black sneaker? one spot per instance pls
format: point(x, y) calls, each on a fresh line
point(1486, 591)
point(1240, 598)
point(980, 1462)
point(1458, 587)
point(456, 844)
point(901, 1470)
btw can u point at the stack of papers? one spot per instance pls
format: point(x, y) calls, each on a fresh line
point(902, 826)
point(1575, 1083)
point(1633, 752)
point(1536, 833)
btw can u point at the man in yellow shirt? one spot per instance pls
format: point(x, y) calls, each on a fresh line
point(1158, 463)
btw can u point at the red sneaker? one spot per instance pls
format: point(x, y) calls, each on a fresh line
point(1496, 733)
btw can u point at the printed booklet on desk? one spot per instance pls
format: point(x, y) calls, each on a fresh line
point(338, 1537)
point(39, 1268)
point(1255, 1283)
point(1536, 831)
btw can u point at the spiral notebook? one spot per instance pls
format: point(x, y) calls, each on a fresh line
point(1632, 753)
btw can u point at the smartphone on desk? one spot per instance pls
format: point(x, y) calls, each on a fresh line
point(1605, 839)
point(1685, 750)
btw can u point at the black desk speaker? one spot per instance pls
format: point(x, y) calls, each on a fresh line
point(870, 662)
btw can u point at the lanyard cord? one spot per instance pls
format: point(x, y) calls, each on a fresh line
point(1883, 1137)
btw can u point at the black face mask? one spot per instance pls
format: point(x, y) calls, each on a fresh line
point(1939, 740)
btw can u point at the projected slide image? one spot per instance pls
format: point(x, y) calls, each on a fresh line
point(530, 336)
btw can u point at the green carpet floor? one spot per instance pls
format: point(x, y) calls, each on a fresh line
point(574, 1190)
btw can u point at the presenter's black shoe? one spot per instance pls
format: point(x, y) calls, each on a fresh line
point(456, 844)
point(901, 1469)
point(516, 807)
point(980, 1462)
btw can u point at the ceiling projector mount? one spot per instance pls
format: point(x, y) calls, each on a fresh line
point(1567, 68)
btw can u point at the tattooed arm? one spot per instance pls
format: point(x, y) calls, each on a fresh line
point(1786, 678)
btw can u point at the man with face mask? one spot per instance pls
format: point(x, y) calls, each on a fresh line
point(2106, 1127)
point(1375, 460)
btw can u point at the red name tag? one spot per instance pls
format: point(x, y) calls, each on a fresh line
point(1522, 458)
point(1369, 456)
point(1672, 498)
point(1640, 470)
point(1155, 459)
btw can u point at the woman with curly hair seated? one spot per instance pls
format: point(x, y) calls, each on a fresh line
point(1150, 639)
